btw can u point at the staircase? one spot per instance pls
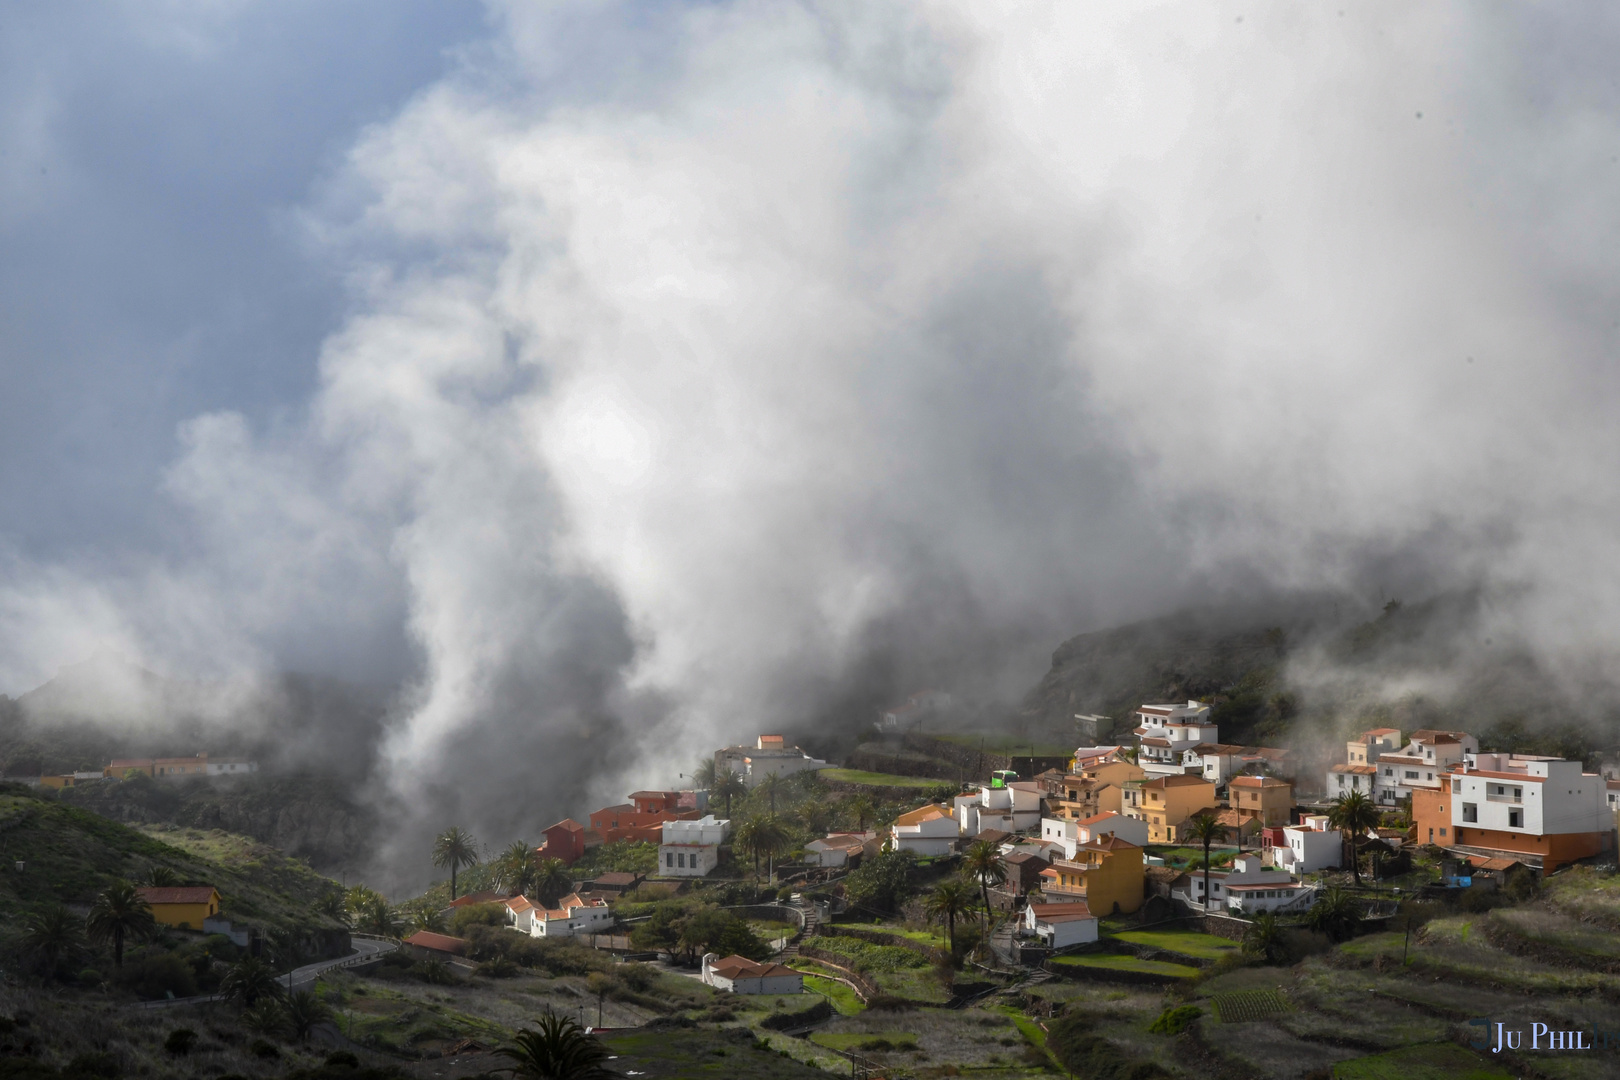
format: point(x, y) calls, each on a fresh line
point(812, 919)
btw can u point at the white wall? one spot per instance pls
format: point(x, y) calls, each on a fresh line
point(687, 860)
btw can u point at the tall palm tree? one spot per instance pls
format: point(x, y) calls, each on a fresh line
point(1264, 938)
point(119, 915)
point(162, 877)
point(815, 815)
point(982, 862)
point(761, 836)
point(1353, 815)
point(51, 937)
point(706, 774)
point(1206, 829)
point(455, 848)
point(770, 785)
point(551, 881)
point(376, 917)
point(1336, 913)
point(427, 918)
point(728, 786)
point(248, 980)
point(949, 901)
point(557, 1048)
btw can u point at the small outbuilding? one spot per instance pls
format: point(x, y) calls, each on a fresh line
point(741, 975)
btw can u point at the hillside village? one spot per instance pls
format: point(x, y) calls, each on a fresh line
point(1128, 907)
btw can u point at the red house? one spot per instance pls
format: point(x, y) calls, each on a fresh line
point(564, 840)
point(642, 818)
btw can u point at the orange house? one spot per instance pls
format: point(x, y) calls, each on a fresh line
point(642, 818)
point(564, 840)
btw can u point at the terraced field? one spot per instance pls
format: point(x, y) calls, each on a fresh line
point(1186, 942)
point(1120, 962)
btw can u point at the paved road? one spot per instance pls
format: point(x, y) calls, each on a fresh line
point(365, 951)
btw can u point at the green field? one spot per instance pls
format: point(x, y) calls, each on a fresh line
point(1245, 1006)
point(1185, 942)
point(842, 997)
point(877, 779)
point(1112, 962)
point(1432, 1061)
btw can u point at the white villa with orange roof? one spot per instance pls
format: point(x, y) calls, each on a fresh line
point(1165, 732)
point(927, 830)
point(1060, 925)
point(572, 916)
point(1422, 765)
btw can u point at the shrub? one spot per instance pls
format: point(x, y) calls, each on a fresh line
point(1174, 1021)
point(156, 975)
point(473, 915)
point(435, 972)
point(180, 1041)
point(90, 977)
point(498, 968)
point(259, 1048)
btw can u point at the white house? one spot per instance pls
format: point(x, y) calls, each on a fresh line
point(1343, 779)
point(1423, 764)
point(1215, 762)
point(1012, 806)
point(691, 848)
point(837, 849)
point(231, 766)
point(1062, 832)
point(520, 914)
point(928, 830)
point(572, 916)
point(1165, 732)
point(1060, 925)
point(769, 756)
point(1308, 847)
point(743, 976)
point(1246, 871)
point(1544, 810)
point(1130, 830)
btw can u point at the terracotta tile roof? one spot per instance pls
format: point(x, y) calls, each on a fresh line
point(1177, 781)
point(1109, 842)
point(734, 967)
point(1018, 858)
point(1366, 736)
point(517, 905)
point(1155, 742)
point(994, 836)
point(570, 824)
point(617, 877)
point(1258, 781)
point(1359, 770)
point(1053, 912)
point(1106, 815)
point(931, 812)
point(177, 894)
point(427, 939)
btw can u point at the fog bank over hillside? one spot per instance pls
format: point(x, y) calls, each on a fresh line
point(708, 370)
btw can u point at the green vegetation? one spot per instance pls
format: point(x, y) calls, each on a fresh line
point(843, 999)
point(883, 881)
point(1116, 962)
point(1009, 745)
point(1244, 1006)
point(874, 779)
point(866, 1040)
point(1185, 942)
point(864, 956)
point(1434, 1061)
point(1175, 1020)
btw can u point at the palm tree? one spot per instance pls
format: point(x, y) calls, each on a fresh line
point(1336, 913)
point(119, 915)
point(248, 980)
point(706, 774)
point(1353, 815)
point(304, 1010)
point(1264, 938)
point(815, 815)
point(455, 848)
point(1206, 829)
point(557, 1049)
point(760, 836)
point(162, 877)
point(728, 786)
point(514, 870)
point(949, 901)
point(427, 918)
point(551, 880)
point(50, 937)
point(771, 782)
point(982, 862)
point(378, 918)
point(862, 807)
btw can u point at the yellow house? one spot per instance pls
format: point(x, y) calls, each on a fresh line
point(1167, 803)
point(1095, 789)
point(183, 907)
point(1106, 873)
point(1264, 798)
point(1366, 748)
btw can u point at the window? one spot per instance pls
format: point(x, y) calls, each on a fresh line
point(1515, 819)
point(1442, 830)
point(669, 858)
point(1389, 772)
point(1470, 811)
point(1411, 774)
point(1431, 836)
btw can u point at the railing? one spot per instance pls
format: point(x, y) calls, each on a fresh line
point(1515, 799)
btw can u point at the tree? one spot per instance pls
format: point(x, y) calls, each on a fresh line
point(1265, 938)
point(815, 816)
point(706, 774)
point(1336, 914)
point(557, 1048)
point(551, 881)
point(119, 915)
point(598, 984)
point(762, 836)
point(882, 881)
point(514, 870)
point(455, 848)
point(304, 1010)
point(862, 807)
point(1353, 815)
point(728, 786)
point(248, 980)
point(1205, 829)
point(427, 918)
point(770, 785)
point(982, 862)
point(376, 917)
point(51, 937)
point(949, 901)
point(162, 877)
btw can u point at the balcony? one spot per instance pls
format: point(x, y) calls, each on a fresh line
point(1513, 799)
